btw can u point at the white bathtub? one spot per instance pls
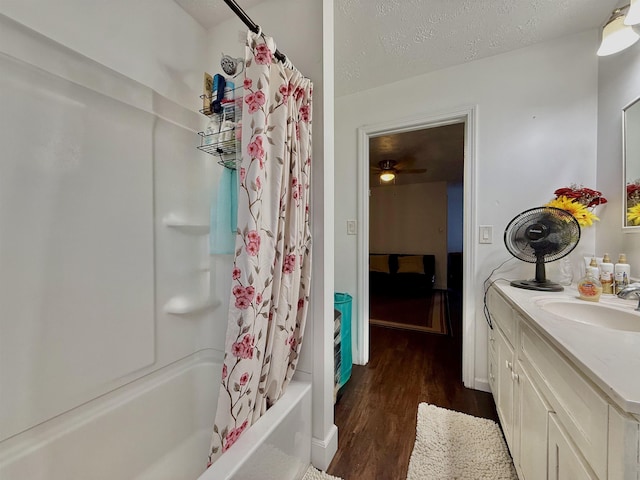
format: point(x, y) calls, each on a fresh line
point(159, 428)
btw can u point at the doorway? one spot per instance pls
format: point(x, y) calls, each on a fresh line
point(415, 226)
point(466, 117)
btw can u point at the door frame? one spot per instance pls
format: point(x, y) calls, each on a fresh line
point(467, 115)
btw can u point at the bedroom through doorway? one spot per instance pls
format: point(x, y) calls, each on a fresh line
point(415, 236)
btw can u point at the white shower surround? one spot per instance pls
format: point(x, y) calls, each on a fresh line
point(159, 428)
point(158, 401)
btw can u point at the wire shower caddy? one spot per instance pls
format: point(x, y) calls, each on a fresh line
point(222, 137)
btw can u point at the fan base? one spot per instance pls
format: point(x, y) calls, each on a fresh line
point(546, 286)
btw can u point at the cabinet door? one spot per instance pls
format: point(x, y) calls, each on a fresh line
point(504, 385)
point(532, 427)
point(565, 462)
point(493, 364)
point(580, 408)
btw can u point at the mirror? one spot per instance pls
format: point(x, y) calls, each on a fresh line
point(631, 165)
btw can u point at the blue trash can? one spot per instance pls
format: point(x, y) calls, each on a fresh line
point(343, 304)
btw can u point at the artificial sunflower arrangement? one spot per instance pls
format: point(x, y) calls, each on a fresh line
point(633, 202)
point(579, 201)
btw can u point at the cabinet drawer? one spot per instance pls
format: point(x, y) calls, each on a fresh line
point(502, 314)
point(581, 410)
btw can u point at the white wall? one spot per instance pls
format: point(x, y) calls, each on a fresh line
point(536, 131)
point(619, 85)
point(151, 41)
point(411, 219)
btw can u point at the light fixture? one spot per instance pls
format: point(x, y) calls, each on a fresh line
point(387, 172)
point(633, 15)
point(616, 35)
point(387, 175)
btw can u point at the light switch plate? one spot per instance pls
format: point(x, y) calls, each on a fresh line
point(352, 227)
point(486, 234)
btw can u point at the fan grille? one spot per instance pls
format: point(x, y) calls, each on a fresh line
point(542, 234)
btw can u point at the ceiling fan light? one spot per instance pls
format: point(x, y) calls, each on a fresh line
point(633, 15)
point(616, 36)
point(387, 175)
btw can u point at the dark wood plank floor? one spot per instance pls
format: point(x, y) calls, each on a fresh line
point(377, 408)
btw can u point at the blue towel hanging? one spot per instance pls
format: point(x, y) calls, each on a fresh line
point(224, 214)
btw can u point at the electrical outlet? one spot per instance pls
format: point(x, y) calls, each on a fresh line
point(352, 227)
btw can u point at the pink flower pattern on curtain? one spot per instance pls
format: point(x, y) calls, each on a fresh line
point(272, 265)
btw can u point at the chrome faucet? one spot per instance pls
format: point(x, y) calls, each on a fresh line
point(630, 290)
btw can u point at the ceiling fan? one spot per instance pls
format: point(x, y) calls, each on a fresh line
point(388, 169)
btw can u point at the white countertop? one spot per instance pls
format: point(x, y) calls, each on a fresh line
point(609, 358)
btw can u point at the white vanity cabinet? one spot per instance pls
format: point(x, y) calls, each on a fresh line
point(557, 423)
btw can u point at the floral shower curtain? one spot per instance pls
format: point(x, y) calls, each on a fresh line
point(272, 266)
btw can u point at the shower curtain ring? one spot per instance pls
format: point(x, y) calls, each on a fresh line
point(259, 32)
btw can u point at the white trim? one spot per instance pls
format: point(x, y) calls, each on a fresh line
point(361, 331)
point(323, 429)
point(323, 450)
point(626, 228)
point(470, 249)
point(360, 334)
point(482, 384)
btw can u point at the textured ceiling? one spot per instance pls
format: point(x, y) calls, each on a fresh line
point(380, 41)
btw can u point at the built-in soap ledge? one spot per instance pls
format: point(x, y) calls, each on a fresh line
point(183, 304)
point(185, 225)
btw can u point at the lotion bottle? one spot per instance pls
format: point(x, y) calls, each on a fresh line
point(606, 274)
point(621, 270)
point(593, 268)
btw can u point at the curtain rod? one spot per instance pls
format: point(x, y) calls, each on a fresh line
point(250, 23)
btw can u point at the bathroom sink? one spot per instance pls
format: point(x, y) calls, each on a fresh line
point(593, 313)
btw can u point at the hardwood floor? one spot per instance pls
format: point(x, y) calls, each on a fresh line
point(377, 408)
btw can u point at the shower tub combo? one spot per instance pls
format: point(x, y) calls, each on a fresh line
point(159, 428)
point(99, 380)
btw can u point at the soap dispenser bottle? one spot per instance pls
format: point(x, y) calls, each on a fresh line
point(606, 274)
point(621, 270)
point(589, 287)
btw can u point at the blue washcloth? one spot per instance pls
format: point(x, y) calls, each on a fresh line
point(224, 214)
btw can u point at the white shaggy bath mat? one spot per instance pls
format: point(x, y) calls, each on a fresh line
point(455, 445)
point(313, 474)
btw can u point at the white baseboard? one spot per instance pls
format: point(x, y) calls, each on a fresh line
point(323, 450)
point(481, 384)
